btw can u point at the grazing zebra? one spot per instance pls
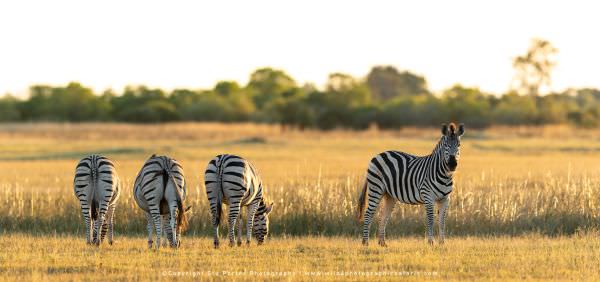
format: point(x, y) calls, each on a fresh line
point(97, 187)
point(397, 176)
point(160, 190)
point(234, 181)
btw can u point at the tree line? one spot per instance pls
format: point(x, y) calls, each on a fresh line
point(387, 98)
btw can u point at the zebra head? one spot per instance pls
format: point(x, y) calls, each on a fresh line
point(451, 145)
point(260, 227)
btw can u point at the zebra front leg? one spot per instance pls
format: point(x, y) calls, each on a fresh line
point(149, 227)
point(430, 217)
point(234, 212)
point(388, 207)
point(252, 208)
point(239, 230)
point(442, 212)
point(374, 197)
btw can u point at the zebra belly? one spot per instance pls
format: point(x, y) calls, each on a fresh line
point(414, 199)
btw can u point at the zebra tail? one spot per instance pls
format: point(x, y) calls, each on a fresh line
point(220, 192)
point(362, 202)
point(182, 222)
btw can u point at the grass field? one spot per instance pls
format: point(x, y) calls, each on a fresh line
point(526, 203)
point(304, 258)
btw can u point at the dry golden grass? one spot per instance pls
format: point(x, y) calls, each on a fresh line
point(522, 195)
point(60, 258)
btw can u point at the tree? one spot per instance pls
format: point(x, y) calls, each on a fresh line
point(421, 110)
point(467, 105)
point(533, 69)
point(385, 83)
point(268, 84)
point(9, 109)
point(513, 109)
point(344, 97)
point(142, 104)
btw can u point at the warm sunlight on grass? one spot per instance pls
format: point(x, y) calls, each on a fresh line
point(526, 203)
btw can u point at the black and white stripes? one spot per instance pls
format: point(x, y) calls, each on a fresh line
point(234, 181)
point(160, 190)
point(396, 176)
point(97, 187)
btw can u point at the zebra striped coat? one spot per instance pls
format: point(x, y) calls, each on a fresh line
point(396, 176)
point(97, 187)
point(160, 190)
point(234, 181)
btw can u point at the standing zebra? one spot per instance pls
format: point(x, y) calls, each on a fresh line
point(234, 181)
point(97, 187)
point(397, 176)
point(160, 190)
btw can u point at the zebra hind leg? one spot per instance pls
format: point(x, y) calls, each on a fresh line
point(87, 218)
point(374, 197)
point(165, 232)
point(173, 225)
point(99, 224)
point(107, 224)
point(386, 211)
point(149, 227)
point(234, 212)
point(156, 218)
point(239, 230)
point(111, 225)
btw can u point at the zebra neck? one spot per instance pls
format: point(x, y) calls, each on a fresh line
point(441, 172)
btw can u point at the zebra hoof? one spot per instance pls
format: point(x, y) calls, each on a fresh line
point(231, 244)
point(239, 243)
point(150, 244)
point(365, 243)
point(248, 243)
point(430, 241)
point(383, 244)
point(216, 245)
point(110, 242)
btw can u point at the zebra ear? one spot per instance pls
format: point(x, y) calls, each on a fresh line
point(461, 129)
point(444, 129)
point(269, 208)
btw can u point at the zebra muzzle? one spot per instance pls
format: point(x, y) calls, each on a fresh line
point(452, 163)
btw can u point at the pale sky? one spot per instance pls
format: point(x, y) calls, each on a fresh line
point(194, 44)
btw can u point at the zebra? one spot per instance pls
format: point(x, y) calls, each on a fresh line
point(97, 186)
point(160, 190)
point(398, 176)
point(234, 181)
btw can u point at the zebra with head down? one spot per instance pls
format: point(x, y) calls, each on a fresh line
point(232, 180)
point(160, 190)
point(97, 186)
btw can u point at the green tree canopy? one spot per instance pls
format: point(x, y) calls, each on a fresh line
point(386, 82)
